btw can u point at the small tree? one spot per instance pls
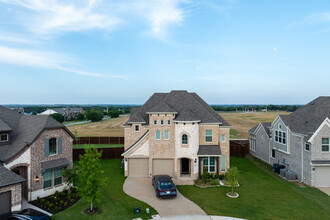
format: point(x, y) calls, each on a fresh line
point(94, 115)
point(90, 176)
point(232, 178)
point(71, 176)
point(58, 117)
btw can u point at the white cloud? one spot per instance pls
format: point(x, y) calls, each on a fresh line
point(44, 59)
point(49, 17)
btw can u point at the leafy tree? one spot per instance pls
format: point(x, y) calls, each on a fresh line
point(90, 176)
point(71, 176)
point(94, 115)
point(58, 117)
point(232, 177)
point(114, 113)
point(80, 117)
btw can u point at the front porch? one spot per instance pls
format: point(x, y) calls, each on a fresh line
point(211, 160)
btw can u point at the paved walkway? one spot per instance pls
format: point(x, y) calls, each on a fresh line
point(142, 189)
point(325, 190)
point(26, 205)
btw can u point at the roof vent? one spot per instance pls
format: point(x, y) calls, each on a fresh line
point(306, 122)
point(312, 103)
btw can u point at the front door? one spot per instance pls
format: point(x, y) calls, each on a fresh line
point(185, 166)
point(22, 171)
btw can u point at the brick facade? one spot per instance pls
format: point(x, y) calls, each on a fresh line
point(16, 195)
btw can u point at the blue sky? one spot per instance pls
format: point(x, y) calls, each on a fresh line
point(121, 52)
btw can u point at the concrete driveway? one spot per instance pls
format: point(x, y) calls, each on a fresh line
point(141, 189)
point(325, 190)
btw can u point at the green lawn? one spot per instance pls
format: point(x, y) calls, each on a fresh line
point(263, 195)
point(82, 146)
point(115, 203)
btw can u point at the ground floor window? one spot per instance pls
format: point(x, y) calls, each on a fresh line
point(223, 163)
point(48, 179)
point(273, 153)
point(209, 164)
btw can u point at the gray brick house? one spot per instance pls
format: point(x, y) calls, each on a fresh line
point(300, 141)
point(33, 152)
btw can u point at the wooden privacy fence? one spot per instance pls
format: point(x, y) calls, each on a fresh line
point(107, 153)
point(99, 140)
point(239, 147)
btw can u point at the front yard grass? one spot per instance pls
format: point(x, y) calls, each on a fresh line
point(262, 195)
point(115, 204)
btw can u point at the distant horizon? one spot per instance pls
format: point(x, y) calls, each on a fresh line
point(13, 105)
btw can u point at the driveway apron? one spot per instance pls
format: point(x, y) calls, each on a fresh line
point(142, 189)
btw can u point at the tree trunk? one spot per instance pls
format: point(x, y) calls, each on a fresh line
point(232, 190)
point(91, 206)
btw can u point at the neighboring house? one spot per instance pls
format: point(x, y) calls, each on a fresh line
point(68, 113)
point(300, 141)
point(178, 134)
point(33, 152)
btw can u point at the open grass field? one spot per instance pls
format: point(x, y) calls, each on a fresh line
point(242, 122)
point(263, 195)
point(115, 204)
point(106, 128)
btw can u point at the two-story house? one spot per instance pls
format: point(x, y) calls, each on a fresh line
point(300, 141)
point(178, 134)
point(33, 152)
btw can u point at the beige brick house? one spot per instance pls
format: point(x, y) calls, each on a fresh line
point(33, 152)
point(178, 134)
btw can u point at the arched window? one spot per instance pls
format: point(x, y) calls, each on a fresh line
point(184, 139)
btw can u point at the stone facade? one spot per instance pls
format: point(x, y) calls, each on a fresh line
point(38, 154)
point(131, 136)
point(16, 196)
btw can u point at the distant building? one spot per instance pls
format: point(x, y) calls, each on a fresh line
point(68, 113)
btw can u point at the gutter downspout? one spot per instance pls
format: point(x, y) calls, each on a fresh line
point(302, 159)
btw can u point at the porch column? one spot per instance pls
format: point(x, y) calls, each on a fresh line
point(218, 165)
point(200, 159)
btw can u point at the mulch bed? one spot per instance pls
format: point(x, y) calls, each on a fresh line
point(95, 211)
point(58, 201)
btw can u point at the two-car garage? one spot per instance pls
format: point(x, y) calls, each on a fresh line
point(139, 167)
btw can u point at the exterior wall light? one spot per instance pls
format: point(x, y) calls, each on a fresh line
point(195, 160)
point(37, 179)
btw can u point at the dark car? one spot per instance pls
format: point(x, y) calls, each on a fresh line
point(26, 214)
point(164, 187)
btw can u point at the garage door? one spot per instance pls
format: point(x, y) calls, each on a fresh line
point(5, 201)
point(138, 167)
point(165, 166)
point(322, 176)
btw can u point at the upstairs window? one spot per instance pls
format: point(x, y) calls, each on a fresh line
point(280, 137)
point(157, 135)
point(52, 146)
point(161, 122)
point(155, 122)
point(137, 127)
point(168, 122)
point(307, 146)
point(184, 139)
point(4, 137)
point(166, 135)
point(223, 138)
point(208, 136)
point(325, 144)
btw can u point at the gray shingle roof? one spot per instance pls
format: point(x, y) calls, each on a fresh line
point(308, 118)
point(59, 110)
point(59, 163)
point(187, 115)
point(163, 108)
point(26, 128)
point(180, 101)
point(4, 126)
point(266, 126)
point(213, 150)
point(8, 177)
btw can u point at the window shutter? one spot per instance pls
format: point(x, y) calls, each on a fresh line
point(46, 147)
point(59, 145)
point(223, 163)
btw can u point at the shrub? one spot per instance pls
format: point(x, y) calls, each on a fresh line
point(55, 209)
point(199, 182)
point(65, 204)
point(63, 194)
point(61, 202)
point(42, 201)
point(71, 200)
point(221, 176)
point(51, 205)
point(47, 203)
point(215, 182)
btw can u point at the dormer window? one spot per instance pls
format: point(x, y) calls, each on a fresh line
point(4, 137)
point(137, 127)
point(161, 122)
point(168, 122)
